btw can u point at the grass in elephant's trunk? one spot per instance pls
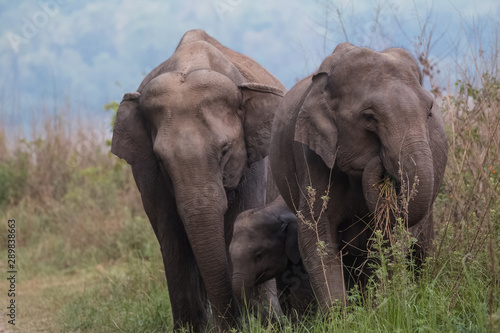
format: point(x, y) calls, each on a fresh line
point(387, 207)
point(392, 204)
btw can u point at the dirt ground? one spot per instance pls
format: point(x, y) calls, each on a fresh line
point(3, 328)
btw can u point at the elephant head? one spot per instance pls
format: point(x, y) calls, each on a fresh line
point(264, 240)
point(200, 124)
point(195, 128)
point(367, 114)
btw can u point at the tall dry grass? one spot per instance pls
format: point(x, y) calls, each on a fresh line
point(74, 202)
point(468, 208)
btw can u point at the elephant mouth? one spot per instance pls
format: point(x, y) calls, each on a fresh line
point(383, 194)
point(393, 180)
point(261, 278)
point(405, 191)
point(267, 274)
point(388, 185)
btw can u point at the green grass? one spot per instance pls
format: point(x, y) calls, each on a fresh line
point(129, 296)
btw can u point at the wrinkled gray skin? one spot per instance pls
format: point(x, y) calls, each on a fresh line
point(196, 133)
point(264, 247)
point(348, 126)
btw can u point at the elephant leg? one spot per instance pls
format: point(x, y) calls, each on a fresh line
point(355, 235)
point(295, 292)
point(319, 241)
point(265, 301)
point(424, 233)
point(188, 297)
point(319, 249)
point(272, 298)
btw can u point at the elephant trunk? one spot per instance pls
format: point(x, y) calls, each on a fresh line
point(202, 206)
point(242, 286)
point(412, 168)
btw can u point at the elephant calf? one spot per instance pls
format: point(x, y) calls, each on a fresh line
point(265, 246)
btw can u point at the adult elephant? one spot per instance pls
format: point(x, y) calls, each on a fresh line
point(362, 117)
point(196, 133)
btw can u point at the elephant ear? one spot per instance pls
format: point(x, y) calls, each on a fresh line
point(131, 141)
point(315, 126)
point(259, 104)
point(291, 239)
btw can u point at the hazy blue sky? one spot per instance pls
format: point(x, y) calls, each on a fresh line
point(87, 53)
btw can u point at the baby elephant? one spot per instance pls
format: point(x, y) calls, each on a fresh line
point(265, 246)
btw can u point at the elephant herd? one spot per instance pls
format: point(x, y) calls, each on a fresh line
point(225, 159)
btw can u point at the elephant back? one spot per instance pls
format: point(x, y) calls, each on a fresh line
point(198, 50)
point(249, 68)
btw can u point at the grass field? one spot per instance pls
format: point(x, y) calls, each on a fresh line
point(88, 261)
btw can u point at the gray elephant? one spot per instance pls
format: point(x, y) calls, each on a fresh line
point(265, 247)
point(362, 117)
point(196, 134)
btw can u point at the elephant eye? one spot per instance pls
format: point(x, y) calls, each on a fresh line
point(225, 149)
point(369, 117)
point(259, 255)
point(369, 120)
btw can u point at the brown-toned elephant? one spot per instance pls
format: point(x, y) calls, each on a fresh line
point(196, 133)
point(362, 117)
